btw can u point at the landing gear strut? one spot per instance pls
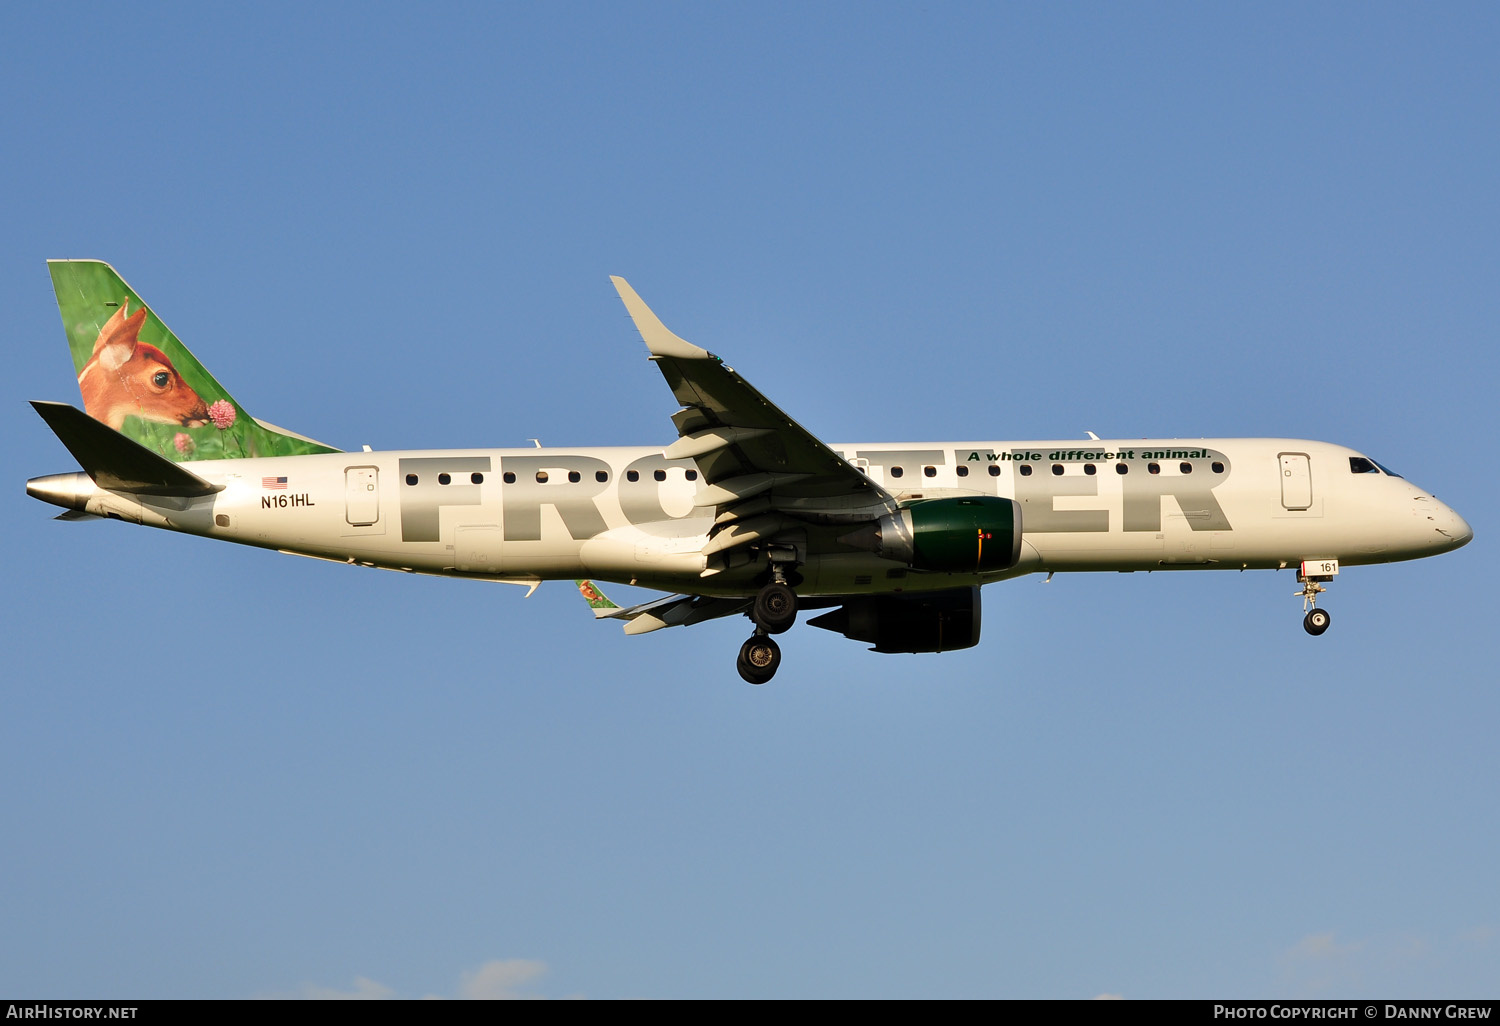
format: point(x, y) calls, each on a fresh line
point(1309, 575)
point(774, 611)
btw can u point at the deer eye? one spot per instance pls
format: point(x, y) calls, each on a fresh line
point(160, 379)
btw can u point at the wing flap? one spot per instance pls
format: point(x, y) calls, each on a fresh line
point(708, 440)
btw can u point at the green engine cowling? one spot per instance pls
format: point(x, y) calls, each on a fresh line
point(968, 534)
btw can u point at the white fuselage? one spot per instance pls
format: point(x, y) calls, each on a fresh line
point(628, 514)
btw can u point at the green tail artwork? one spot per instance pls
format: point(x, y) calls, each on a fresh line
point(139, 379)
point(597, 600)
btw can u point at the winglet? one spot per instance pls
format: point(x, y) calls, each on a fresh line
point(654, 333)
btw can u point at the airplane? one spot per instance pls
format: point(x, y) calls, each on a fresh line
point(744, 513)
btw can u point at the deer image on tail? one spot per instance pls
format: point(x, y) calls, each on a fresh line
point(126, 376)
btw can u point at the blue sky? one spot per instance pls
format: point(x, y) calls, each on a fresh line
point(393, 225)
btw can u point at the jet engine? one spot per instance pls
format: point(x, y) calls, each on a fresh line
point(934, 621)
point(969, 534)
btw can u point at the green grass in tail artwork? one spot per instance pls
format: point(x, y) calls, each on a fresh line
point(139, 379)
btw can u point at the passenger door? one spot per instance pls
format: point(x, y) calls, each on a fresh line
point(1296, 481)
point(361, 496)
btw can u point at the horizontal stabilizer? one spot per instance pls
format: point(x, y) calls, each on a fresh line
point(114, 461)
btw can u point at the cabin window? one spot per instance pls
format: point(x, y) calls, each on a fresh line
point(660, 475)
point(476, 478)
point(1026, 470)
point(929, 471)
point(961, 470)
point(541, 477)
point(897, 471)
point(574, 477)
point(691, 475)
point(1057, 470)
point(1186, 468)
point(601, 476)
point(1153, 468)
point(1090, 469)
point(1121, 468)
point(444, 479)
point(1218, 468)
point(994, 470)
point(508, 477)
point(632, 475)
point(411, 479)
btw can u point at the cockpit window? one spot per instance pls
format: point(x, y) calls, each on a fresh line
point(1362, 465)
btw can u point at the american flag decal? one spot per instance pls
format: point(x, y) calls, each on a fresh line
point(273, 482)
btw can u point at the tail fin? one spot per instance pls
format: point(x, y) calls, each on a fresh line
point(597, 600)
point(137, 377)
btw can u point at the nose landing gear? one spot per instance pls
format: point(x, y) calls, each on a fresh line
point(1310, 575)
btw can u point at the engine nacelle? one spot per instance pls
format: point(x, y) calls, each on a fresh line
point(968, 534)
point(933, 621)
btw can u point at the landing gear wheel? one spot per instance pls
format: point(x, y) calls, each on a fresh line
point(775, 608)
point(1317, 620)
point(759, 658)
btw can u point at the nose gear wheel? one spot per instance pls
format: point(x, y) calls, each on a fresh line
point(1316, 620)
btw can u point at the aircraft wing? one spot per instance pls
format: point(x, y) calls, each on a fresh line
point(669, 611)
point(762, 471)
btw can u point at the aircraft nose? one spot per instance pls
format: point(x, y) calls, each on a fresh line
point(1454, 526)
point(1434, 526)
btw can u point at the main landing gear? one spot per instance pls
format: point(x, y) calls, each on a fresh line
point(759, 658)
point(775, 608)
point(774, 612)
point(1310, 575)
